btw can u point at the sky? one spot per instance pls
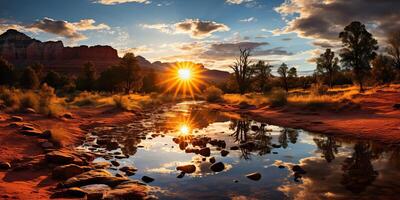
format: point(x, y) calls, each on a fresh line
point(203, 31)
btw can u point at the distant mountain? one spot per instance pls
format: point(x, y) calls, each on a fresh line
point(22, 50)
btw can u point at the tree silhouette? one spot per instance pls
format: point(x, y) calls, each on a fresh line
point(327, 65)
point(132, 73)
point(6, 72)
point(242, 70)
point(87, 77)
point(150, 82)
point(383, 69)
point(328, 147)
point(394, 48)
point(29, 79)
point(262, 72)
point(283, 72)
point(53, 79)
point(358, 50)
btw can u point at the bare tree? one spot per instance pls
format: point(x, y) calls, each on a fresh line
point(242, 70)
point(327, 65)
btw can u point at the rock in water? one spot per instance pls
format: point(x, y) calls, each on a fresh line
point(205, 152)
point(187, 168)
point(217, 167)
point(147, 179)
point(212, 160)
point(115, 163)
point(298, 169)
point(224, 153)
point(98, 176)
point(254, 176)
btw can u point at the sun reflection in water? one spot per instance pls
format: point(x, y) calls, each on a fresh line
point(184, 129)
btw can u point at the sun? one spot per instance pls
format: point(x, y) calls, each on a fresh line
point(184, 129)
point(184, 74)
point(184, 78)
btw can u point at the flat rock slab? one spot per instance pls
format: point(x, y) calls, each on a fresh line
point(98, 176)
point(127, 190)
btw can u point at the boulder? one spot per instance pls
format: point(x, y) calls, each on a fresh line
point(115, 163)
point(224, 153)
point(101, 165)
point(60, 157)
point(68, 171)
point(217, 167)
point(205, 151)
point(212, 160)
point(254, 176)
point(187, 168)
point(127, 190)
point(5, 165)
point(98, 176)
point(129, 171)
point(298, 169)
point(95, 191)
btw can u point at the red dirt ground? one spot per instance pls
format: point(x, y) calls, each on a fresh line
point(376, 119)
point(35, 184)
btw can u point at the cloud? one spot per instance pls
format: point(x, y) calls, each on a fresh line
point(237, 1)
point(196, 28)
point(250, 19)
point(325, 19)
point(114, 2)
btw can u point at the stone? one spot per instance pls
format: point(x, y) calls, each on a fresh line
point(5, 165)
point(187, 168)
point(67, 171)
point(181, 175)
point(212, 160)
point(33, 132)
point(396, 106)
point(234, 148)
point(281, 167)
point(59, 157)
point(73, 192)
point(217, 167)
point(30, 111)
point(67, 116)
point(254, 176)
point(276, 145)
point(298, 169)
point(127, 190)
point(115, 163)
point(16, 118)
point(147, 179)
point(205, 152)
point(224, 153)
point(95, 191)
point(98, 176)
point(129, 171)
point(101, 165)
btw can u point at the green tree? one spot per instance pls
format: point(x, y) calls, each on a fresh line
point(242, 70)
point(283, 72)
point(29, 79)
point(358, 50)
point(383, 69)
point(6, 72)
point(111, 79)
point(87, 78)
point(327, 65)
point(38, 67)
point(262, 72)
point(132, 73)
point(292, 73)
point(53, 79)
point(150, 82)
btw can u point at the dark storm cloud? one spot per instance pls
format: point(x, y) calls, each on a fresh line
point(326, 18)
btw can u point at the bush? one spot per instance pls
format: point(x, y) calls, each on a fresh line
point(121, 102)
point(319, 89)
point(278, 97)
point(213, 94)
point(9, 97)
point(86, 99)
point(29, 100)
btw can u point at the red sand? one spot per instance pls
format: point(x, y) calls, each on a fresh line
point(376, 120)
point(30, 184)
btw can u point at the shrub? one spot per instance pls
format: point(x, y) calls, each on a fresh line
point(85, 99)
point(278, 97)
point(9, 97)
point(121, 102)
point(213, 94)
point(29, 100)
point(319, 89)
